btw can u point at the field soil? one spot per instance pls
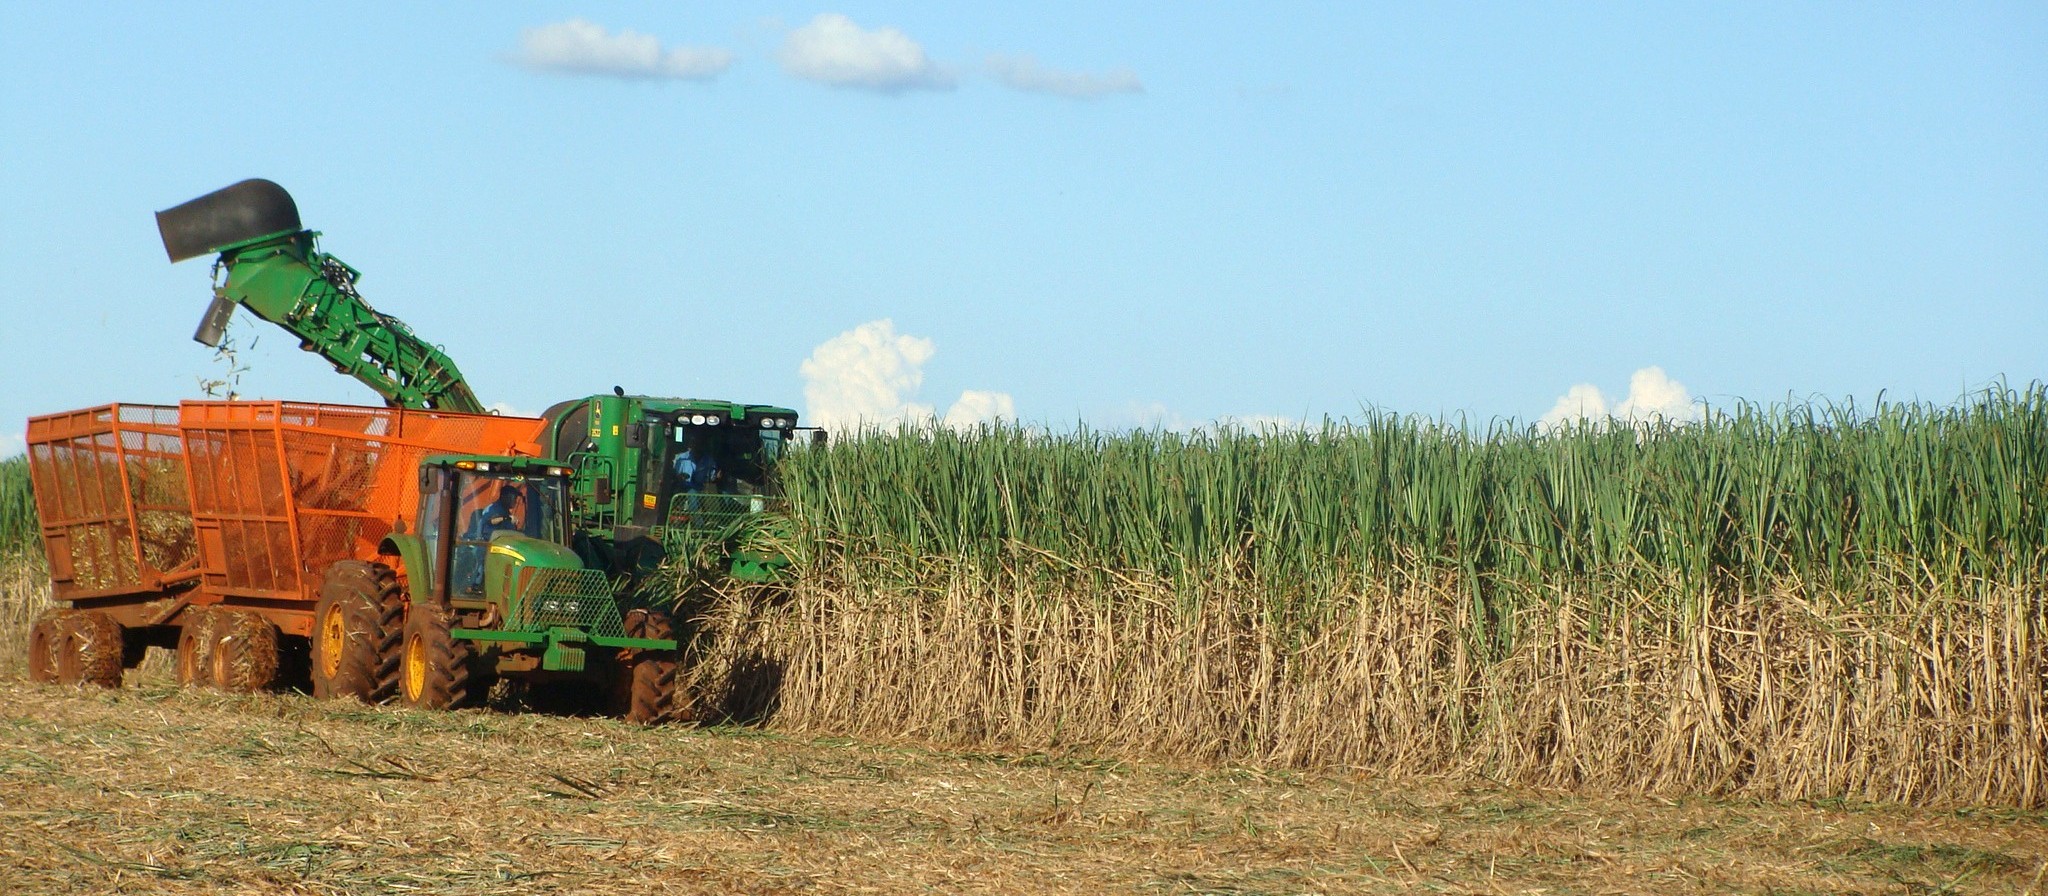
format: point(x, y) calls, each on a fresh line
point(152, 789)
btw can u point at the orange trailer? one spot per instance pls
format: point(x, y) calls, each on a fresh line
point(215, 522)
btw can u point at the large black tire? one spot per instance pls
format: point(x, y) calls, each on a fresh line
point(45, 640)
point(91, 651)
point(357, 626)
point(643, 686)
point(195, 647)
point(244, 652)
point(435, 668)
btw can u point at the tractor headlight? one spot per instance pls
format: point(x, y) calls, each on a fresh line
point(697, 419)
point(712, 420)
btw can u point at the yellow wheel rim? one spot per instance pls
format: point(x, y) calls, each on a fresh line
point(333, 636)
point(415, 668)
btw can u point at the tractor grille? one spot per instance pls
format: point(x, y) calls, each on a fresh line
point(575, 598)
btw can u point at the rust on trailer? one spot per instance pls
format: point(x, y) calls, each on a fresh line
point(148, 509)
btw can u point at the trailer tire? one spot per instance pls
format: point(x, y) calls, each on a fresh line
point(644, 683)
point(45, 640)
point(195, 648)
point(435, 667)
point(357, 625)
point(244, 652)
point(91, 651)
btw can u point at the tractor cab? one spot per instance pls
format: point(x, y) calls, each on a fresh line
point(476, 509)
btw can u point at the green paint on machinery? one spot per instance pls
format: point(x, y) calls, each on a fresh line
point(493, 545)
point(656, 479)
point(271, 266)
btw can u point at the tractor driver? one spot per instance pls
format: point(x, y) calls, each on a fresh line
point(501, 515)
point(498, 516)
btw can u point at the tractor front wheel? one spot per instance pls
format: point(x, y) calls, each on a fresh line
point(435, 667)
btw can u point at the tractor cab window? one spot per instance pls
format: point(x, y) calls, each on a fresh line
point(487, 503)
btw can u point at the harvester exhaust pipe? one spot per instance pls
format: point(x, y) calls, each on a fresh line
point(222, 218)
point(225, 217)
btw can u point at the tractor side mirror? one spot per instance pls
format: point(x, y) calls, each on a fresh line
point(818, 437)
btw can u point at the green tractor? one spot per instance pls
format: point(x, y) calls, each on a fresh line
point(488, 587)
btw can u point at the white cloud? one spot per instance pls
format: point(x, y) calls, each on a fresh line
point(1652, 396)
point(13, 443)
point(869, 376)
point(1024, 73)
point(977, 406)
point(505, 408)
point(585, 48)
point(1580, 402)
point(832, 49)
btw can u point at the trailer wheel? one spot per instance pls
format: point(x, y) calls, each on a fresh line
point(644, 683)
point(195, 648)
point(244, 652)
point(356, 629)
point(435, 667)
point(45, 639)
point(91, 650)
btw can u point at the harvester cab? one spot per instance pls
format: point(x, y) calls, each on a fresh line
point(686, 480)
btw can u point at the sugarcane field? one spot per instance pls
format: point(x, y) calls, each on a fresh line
point(603, 524)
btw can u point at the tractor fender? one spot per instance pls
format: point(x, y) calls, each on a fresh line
point(412, 556)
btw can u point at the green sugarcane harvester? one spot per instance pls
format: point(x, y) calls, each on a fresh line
point(624, 482)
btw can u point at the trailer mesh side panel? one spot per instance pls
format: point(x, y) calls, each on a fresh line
point(281, 490)
point(111, 496)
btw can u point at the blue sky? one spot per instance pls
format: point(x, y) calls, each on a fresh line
point(1113, 213)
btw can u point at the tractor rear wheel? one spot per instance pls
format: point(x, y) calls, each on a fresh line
point(45, 639)
point(195, 648)
point(91, 650)
point(643, 687)
point(244, 652)
point(356, 630)
point(435, 667)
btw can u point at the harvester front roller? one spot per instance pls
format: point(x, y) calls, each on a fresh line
point(357, 626)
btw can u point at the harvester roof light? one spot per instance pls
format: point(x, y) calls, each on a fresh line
point(465, 465)
point(483, 468)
